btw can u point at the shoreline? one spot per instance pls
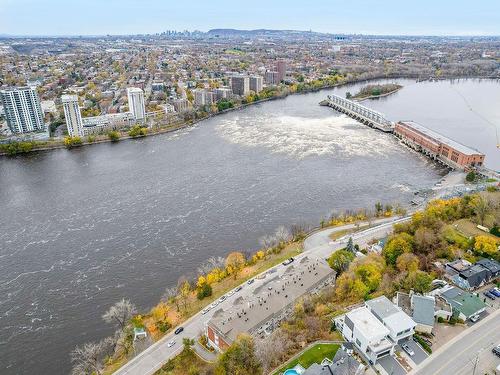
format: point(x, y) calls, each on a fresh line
point(59, 144)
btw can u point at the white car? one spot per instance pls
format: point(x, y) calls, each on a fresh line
point(474, 318)
point(408, 350)
point(171, 343)
point(230, 293)
point(204, 311)
point(214, 304)
point(222, 299)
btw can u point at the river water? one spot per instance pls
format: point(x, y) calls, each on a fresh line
point(83, 228)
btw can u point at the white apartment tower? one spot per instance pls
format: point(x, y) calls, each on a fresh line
point(136, 103)
point(72, 115)
point(22, 109)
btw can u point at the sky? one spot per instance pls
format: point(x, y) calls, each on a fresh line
point(121, 17)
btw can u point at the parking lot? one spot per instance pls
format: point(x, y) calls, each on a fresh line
point(419, 353)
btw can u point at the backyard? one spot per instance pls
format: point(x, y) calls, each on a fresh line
point(314, 354)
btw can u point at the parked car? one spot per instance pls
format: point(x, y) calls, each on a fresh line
point(288, 261)
point(204, 311)
point(474, 318)
point(238, 288)
point(222, 299)
point(171, 343)
point(495, 292)
point(489, 295)
point(229, 294)
point(214, 304)
point(407, 349)
point(496, 350)
point(179, 330)
point(250, 281)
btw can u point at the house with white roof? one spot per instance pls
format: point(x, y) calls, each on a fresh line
point(376, 328)
point(400, 325)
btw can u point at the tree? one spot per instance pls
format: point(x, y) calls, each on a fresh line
point(419, 281)
point(234, 263)
point(426, 240)
point(138, 131)
point(340, 260)
point(239, 358)
point(398, 244)
point(378, 208)
point(205, 290)
point(485, 245)
point(184, 289)
point(350, 245)
point(481, 208)
point(283, 235)
point(471, 176)
point(71, 142)
point(88, 359)
point(120, 313)
point(114, 136)
point(170, 295)
point(407, 262)
point(187, 343)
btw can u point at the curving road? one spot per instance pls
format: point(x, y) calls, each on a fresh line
point(317, 245)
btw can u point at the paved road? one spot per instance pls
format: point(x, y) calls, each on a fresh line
point(317, 245)
point(458, 356)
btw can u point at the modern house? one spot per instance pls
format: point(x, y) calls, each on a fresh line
point(261, 312)
point(376, 327)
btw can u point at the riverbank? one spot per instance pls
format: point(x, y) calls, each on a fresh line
point(103, 138)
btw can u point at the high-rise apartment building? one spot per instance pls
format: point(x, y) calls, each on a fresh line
point(222, 93)
point(272, 78)
point(281, 69)
point(240, 84)
point(72, 115)
point(256, 84)
point(136, 103)
point(22, 109)
point(203, 97)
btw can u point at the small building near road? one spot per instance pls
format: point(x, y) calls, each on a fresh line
point(464, 304)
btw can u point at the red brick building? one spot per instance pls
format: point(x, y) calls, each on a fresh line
point(437, 146)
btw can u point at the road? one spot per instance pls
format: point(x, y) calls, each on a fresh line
point(317, 244)
point(459, 355)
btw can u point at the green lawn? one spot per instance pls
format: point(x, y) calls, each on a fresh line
point(313, 355)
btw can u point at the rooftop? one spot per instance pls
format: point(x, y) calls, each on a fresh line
point(465, 302)
point(382, 307)
point(423, 309)
point(367, 323)
point(441, 138)
point(490, 264)
point(252, 312)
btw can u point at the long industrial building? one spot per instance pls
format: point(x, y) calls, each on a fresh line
point(437, 146)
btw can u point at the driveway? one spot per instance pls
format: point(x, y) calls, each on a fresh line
point(420, 354)
point(391, 366)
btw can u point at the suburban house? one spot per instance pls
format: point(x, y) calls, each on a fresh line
point(343, 363)
point(400, 325)
point(423, 309)
point(472, 276)
point(464, 304)
point(270, 303)
point(376, 327)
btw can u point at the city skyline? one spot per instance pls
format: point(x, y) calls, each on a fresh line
point(129, 17)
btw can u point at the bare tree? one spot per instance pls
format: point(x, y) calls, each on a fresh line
point(210, 264)
point(268, 242)
point(283, 234)
point(88, 359)
point(120, 313)
point(170, 295)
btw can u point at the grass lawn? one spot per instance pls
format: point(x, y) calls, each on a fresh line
point(313, 355)
point(469, 229)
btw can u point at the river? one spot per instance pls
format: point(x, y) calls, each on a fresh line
point(82, 228)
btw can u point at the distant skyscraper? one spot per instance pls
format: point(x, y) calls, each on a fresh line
point(281, 69)
point(256, 84)
point(240, 85)
point(72, 115)
point(22, 109)
point(136, 103)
